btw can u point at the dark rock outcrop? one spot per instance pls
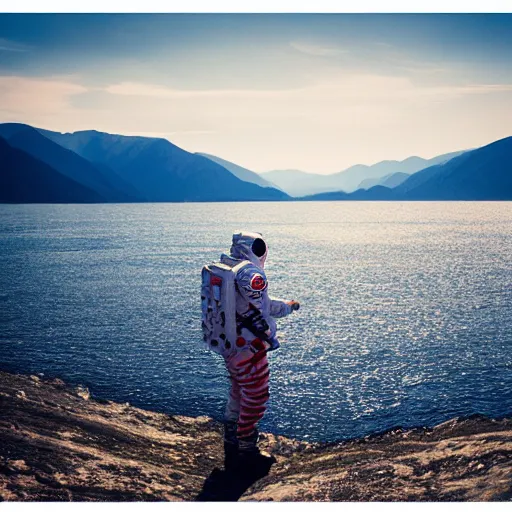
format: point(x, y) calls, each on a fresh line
point(57, 443)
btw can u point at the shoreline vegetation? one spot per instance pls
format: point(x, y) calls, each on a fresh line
point(60, 444)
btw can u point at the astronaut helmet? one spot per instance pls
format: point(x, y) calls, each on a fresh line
point(250, 246)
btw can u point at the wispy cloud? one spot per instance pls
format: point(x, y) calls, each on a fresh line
point(20, 96)
point(168, 135)
point(318, 50)
point(12, 46)
point(345, 87)
point(54, 96)
point(159, 91)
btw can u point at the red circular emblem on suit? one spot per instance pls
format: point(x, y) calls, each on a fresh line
point(258, 283)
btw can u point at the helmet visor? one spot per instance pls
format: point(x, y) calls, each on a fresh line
point(259, 247)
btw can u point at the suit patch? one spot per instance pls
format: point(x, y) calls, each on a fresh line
point(258, 283)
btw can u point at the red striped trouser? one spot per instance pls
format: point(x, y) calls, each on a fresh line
point(249, 372)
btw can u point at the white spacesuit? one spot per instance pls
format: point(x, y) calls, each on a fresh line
point(256, 328)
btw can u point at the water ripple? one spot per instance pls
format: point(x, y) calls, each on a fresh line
point(406, 314)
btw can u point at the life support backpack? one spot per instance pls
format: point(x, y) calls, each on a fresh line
point(218, 306)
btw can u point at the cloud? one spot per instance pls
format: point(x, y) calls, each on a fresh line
point(23, 96)
point(171, 111)
point(168, 135)
point(318, 50)
point(64, 104)
point(159, 91)
point(11, 46)
point(342, 88)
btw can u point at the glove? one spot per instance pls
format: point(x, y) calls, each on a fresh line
point(294, 305)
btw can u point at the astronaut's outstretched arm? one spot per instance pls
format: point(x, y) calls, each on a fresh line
point(280, 308)
point(252, 285)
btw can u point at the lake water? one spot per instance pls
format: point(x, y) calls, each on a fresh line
point(406, 314)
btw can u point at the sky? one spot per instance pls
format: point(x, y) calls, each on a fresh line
point(317, 93)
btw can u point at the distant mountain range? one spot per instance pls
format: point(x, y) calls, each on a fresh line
point(390, 180)
point(117, 169)
point(240, 172)
point(483, 174)
point(300, 183)
point(38, 165)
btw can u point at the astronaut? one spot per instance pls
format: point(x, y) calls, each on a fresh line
point(248, 365)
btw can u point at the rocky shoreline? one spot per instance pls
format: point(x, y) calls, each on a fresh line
point(59, 444)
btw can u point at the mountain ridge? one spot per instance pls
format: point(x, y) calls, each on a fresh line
point(480, 174)
point(121, 168)
point(240, 172)
point(156, 169)
point(67, 162)
point(299, 183)
point(162, 170)
point(46, 185)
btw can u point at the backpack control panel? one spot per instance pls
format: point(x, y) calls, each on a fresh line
point(218, 306)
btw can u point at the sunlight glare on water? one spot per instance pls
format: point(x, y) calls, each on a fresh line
point(405, 319)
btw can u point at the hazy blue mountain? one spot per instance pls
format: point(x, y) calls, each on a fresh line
point(299, 183)
point(393, 180)
point(390, 180)
point(445, 157)
point(104, 181)
point(483, 174)
point(162, 171)
point(25, 179)
point(113, 151)
point(372, 182)
point(386, 168)
point(377, 193)
point(328, 196)
point(350, 179)
point(240, 172)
